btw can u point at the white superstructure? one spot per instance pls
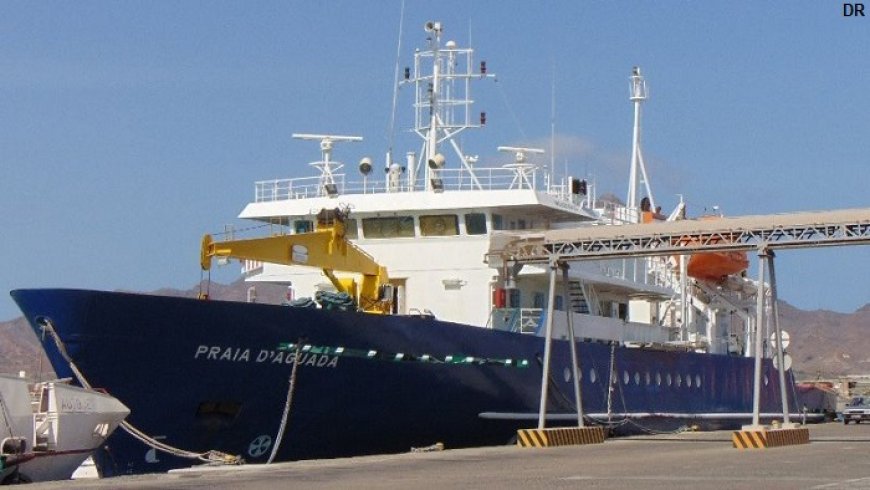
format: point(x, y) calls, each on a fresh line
point(431, 219)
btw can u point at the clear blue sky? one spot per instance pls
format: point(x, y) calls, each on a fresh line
point(128, 129)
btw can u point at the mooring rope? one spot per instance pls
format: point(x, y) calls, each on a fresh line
point(6, 416)
point(610, 383)
point(288, 403)
point(212, 457)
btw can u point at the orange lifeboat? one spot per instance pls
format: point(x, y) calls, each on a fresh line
point(709, 267)
point(716, 266)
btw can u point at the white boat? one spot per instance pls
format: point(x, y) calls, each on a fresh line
point(48, 429)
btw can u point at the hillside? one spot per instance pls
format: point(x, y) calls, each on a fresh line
point(828, 343)
point(823, 343)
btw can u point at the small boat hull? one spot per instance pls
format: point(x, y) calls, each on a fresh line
point(716, 266)
point(55, 427)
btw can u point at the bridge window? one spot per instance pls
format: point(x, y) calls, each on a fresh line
point(350, 230)
point(439, 225)
point(475, 224)
point(303, 226)
point(497, 222)
point(393, 227)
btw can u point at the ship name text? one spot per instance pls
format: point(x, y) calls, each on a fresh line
point(76, 404)
point(262, 356)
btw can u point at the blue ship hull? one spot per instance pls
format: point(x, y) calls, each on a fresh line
point(204, 375)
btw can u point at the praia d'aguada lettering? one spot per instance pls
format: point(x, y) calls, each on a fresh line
point(263, 356)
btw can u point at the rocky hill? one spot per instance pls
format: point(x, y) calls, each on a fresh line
point(826, 343)
point(823, 343)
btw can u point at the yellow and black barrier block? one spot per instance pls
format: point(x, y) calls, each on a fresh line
point(561, 436)
point(788, 437)
point(763, 438)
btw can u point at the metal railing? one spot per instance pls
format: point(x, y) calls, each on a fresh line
point(460, 179)
point(522, 320)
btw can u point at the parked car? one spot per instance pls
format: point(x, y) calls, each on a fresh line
point(857, 410)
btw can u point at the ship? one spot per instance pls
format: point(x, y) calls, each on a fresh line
point(49, 428)
point(399, 329)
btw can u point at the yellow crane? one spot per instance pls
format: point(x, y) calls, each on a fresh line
point(326, 248)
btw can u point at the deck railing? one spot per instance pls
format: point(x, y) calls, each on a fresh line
point(461, 179)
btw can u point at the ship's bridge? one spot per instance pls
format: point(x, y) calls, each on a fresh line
point(514, 190)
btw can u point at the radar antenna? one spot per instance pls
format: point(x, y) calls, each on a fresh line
point(523, 170)
point(326, 165)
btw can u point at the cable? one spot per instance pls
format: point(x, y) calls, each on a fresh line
point(212, 456)
point(287, 404)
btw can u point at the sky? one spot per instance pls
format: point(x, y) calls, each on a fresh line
point(129, 129)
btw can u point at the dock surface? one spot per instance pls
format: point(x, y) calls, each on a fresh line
point(838, 457)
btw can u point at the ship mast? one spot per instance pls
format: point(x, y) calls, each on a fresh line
point(637, 94)
point(442, 79)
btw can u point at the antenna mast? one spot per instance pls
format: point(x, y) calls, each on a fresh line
point(442, 78)
point(638, 94)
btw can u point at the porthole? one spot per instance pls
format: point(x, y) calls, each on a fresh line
point(688, 381)
point(566, 373)
point(637, 378)
point(625, 377)
point(592, 375)
point(669, 379)
point(646, 377)
point(698, 380)
point(765, 380)
point(658, 379)
point(679, 380)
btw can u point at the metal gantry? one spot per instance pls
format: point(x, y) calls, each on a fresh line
point(745, 233)
point(761, 233)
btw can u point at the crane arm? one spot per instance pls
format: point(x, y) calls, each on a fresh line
point(327, 248)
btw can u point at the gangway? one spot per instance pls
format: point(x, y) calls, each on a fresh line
point(764, 233)
point(744, 233)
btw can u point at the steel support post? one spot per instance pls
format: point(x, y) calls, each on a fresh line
point(780, 357)
point(575, 357)
point(548, 344)
point(684, 297)
point(759, 332)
